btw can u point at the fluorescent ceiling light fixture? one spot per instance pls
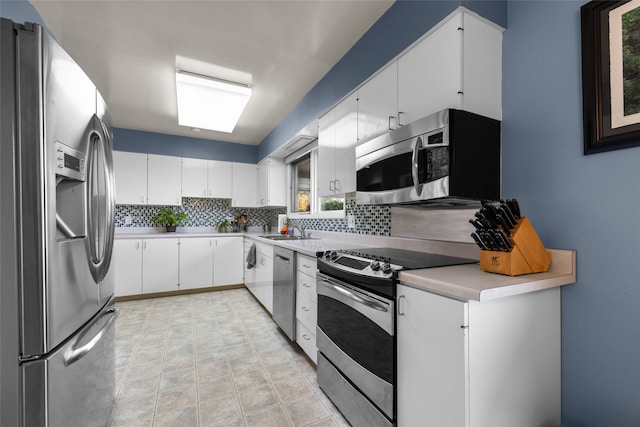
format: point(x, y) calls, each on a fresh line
point(208, 103)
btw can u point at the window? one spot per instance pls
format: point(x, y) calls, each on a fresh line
point(303, 200)
point(301, 184)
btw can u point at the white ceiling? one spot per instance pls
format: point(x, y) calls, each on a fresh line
point(131, 50)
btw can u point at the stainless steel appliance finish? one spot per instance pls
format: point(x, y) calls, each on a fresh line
point(452, 157)
point(284, 290)
point(57, 186)
point(356, 332)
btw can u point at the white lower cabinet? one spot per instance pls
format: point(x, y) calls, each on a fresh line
point(306, 305)
point(196, 262)
point(259, 279)
point(264, 275)
point(160, 265)
point(126, 265)
point(165, 264)
point(474, 364)
point(227, 261)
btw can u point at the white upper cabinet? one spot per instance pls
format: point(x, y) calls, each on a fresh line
point(147, 179)
point(194, 178)
point(164, 180)
point(206, 178)
point(272, 183)
point(219, 175)
point(130, 171)
point(378, 104)
point(337, 137)
point(458, 65)
point(245, 193)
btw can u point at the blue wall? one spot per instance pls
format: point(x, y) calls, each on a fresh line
point(20, 11)
point(182, 146)
point(588, 203)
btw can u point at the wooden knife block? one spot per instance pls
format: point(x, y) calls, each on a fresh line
point(527, 256)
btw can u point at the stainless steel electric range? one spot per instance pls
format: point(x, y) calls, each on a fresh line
point(356, 335)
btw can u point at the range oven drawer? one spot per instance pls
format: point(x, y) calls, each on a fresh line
point(351, 403)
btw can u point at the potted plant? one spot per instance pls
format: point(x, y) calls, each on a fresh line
point(224, 226)
point(169, 218)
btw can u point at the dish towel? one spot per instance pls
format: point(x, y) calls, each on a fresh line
point(251, 257)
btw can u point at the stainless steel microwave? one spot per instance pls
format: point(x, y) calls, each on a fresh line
point(452, 155)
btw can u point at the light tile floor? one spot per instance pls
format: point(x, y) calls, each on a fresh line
point(212, 359)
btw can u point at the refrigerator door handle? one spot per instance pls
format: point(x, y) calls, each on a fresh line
point(100, 219)
point(73, 354)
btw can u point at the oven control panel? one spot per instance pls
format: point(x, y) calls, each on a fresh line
point(363, 266)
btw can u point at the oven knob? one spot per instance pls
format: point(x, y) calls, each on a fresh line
point(375, 266)
point(334, 255)
point(386, 268)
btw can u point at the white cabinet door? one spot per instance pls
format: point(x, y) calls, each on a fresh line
point(459, 65)
point(482, 83)
point(432, 369)
point(194, 178)
point(378, 104)
point(325, 171)
point(337, 138)
point(196, 262)
point(272, 183)
point(164, 180)
point(130, 170)
point(249, 273)
point(429, 75)
point(127, 266)
point(264, 276)
point(346, 141)
point(160, 265)
point(228, 261)
point(245, 178)
point(220, 176)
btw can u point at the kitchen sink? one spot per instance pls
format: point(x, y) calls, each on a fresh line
point(285, 237)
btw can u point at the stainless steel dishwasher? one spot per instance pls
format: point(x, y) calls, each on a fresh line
point(284, 290)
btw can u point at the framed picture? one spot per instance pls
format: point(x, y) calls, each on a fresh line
point(611, 75)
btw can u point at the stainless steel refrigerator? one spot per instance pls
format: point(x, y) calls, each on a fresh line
point(57, 354)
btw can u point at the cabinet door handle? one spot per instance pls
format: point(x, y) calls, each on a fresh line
point(306, 285)
point(142, 199)
point(144, 245)
point(306, 337)
point(400, 113)
point(304, 308)
point(338, 187)
point(137, 245)
point(332, 186)
point(400, 312)
point(391, 117)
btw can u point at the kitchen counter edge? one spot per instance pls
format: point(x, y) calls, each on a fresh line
point(469, 283)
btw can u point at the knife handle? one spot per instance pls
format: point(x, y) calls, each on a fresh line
point(504, 224)
point(516, 207)
point(479, 241)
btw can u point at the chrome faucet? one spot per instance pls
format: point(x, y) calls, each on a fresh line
point(303, 232)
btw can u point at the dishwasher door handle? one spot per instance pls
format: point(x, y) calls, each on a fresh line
point(283, 259)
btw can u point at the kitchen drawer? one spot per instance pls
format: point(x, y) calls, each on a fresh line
point(306, 311)
point(306, 286)
point(307, 340)
point(307, 264)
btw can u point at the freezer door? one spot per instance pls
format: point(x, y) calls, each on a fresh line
point(75, 386)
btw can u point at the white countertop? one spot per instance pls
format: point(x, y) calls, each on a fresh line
point(463, 282)
point(468, 282)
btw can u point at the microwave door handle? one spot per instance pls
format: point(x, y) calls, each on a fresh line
point(414, 166)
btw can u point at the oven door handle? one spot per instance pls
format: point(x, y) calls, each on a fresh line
point(364, 301)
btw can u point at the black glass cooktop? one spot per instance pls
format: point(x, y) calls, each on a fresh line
point(408, 260)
